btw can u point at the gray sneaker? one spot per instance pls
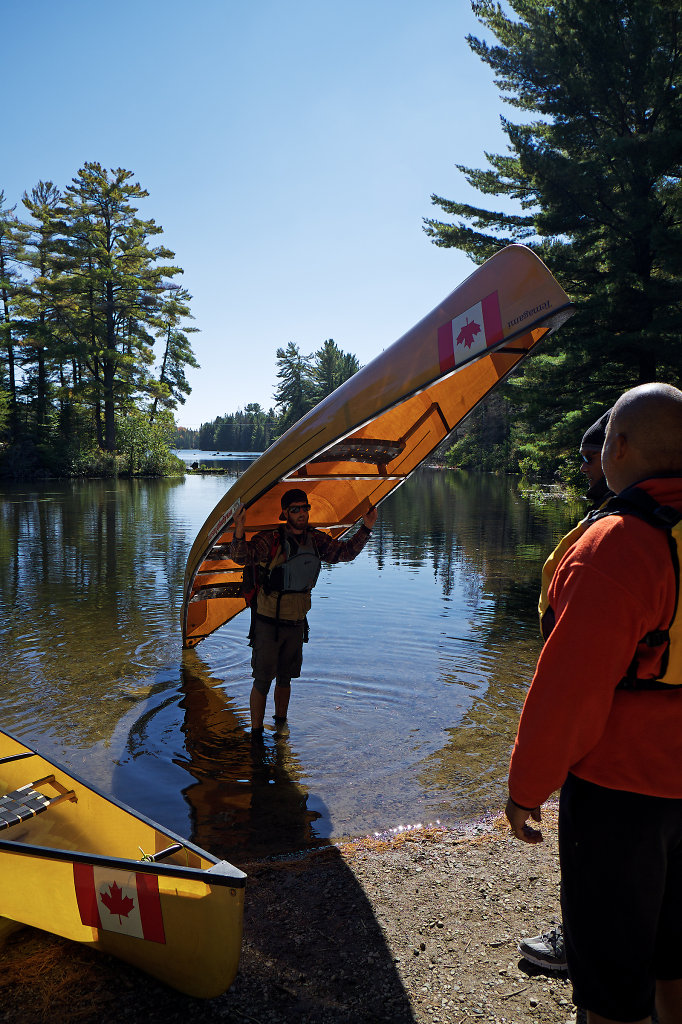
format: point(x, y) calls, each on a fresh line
point(547, 950)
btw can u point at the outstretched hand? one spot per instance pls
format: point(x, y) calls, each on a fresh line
point(239, 520)
point(518, 819)
point(370, 518)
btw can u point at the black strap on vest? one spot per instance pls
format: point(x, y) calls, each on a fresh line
point(635, 501)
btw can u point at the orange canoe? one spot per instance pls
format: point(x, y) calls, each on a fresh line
point(365, 439)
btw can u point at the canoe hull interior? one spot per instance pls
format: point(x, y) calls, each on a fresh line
point(366, 438)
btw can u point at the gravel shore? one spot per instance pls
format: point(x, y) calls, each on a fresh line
point(421, 927)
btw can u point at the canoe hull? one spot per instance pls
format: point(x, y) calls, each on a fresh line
point(365, 439)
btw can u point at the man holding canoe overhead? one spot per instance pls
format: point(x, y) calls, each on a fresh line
point(286, 565)
point(603, 721)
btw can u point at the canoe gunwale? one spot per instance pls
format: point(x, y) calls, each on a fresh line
point(227, 875)
point(233, 877)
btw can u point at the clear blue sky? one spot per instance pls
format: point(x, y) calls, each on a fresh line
point(289, 150)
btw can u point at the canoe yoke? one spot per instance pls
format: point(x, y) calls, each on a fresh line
point(25, 802)
point(377, 452)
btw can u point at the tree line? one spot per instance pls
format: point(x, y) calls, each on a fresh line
point(591, 181)
point(94, 330)
point(302, 382)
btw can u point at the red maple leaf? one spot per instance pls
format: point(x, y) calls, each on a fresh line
point(468, 332)
point(116, 904)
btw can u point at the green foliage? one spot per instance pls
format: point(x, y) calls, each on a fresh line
point(303, 381)
point(84, 297)
point(593, 182)
point(248, 430)
point(4, 413)
point(482, 442)
point(294, 392)
point(171, 386)
point(144, 445)
point(306, 380)
point(329, 369)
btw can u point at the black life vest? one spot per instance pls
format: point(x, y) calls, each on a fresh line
point(299, 571)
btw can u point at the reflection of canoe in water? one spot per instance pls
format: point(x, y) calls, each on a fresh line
point(366, 438)
point(70, 864)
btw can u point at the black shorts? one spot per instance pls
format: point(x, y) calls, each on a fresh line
point(277, 653)
point(621, 896)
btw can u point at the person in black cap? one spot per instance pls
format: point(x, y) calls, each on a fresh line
point(548, 950)
point(287, 563)
point(590, 454)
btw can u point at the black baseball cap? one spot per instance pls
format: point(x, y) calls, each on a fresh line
point(293, 497)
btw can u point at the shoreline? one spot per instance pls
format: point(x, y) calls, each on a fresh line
point(419, 927)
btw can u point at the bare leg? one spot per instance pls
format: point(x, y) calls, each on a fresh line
point(669, 1001)
point(282, 695)
point(257, 705)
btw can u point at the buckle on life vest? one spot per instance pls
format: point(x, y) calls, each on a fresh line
point(657, 637)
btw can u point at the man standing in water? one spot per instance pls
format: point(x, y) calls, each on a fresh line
point(603, 721)
point(287, 561)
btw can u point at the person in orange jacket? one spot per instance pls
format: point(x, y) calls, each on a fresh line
point(602, 721)
point(548, 949)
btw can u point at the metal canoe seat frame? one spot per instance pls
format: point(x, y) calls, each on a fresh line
point(368, 451)
point(26, 801)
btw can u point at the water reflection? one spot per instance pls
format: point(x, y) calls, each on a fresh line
point(247, 798)
point(420, 654)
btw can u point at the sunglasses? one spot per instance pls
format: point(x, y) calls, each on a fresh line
point(298, 508)
point(587, 459)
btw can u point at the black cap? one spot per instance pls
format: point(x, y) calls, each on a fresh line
point(293, 497)
point(594, 435)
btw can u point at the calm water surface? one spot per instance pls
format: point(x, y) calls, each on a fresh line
point(419, 658)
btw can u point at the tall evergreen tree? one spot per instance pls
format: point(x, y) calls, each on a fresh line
point(121, 280)
point(40, 306)
point(330, 368)
point(13, 237)
point(293, 394)
point(171, 385)
point(595, 179)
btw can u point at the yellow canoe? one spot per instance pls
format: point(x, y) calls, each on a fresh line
point(365, 439)
point(71, 863)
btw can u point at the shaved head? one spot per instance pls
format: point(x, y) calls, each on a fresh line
point(644, 435)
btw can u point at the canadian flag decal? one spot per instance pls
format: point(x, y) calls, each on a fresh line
point(471, 332)
point(120, 901)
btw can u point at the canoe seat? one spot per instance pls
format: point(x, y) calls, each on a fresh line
point(363, 449)
point(25, 802)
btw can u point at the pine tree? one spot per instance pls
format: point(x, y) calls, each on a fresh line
point(13, 238)
point(120, 279)
point(171, 385)
point(293, 394)
point(41, 301)
point(330, 368)
point(595, 179)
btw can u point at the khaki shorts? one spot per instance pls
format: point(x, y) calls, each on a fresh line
point(277, 653)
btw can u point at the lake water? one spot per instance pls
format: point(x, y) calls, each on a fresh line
point(420, 654)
